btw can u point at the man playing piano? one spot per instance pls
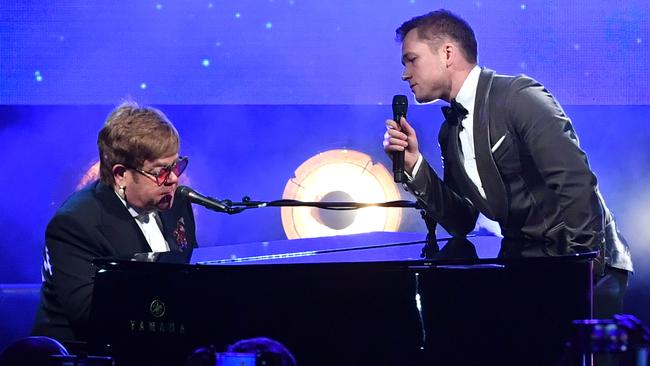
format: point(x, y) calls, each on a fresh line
point(131, 209)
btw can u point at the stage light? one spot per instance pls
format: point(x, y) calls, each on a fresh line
point(340, 175)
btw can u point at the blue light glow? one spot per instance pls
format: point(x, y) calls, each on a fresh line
point(335, 59)
point(321, 77)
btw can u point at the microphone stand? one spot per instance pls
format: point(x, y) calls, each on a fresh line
point(247, 204)
point(429, 249)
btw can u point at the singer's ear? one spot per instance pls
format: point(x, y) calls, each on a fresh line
point(118, 172)
point(450, 52)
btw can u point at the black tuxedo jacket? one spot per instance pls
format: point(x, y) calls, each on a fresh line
point(93, 223)
point(537, 180)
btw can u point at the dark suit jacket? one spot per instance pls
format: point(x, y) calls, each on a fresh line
point(93, 223)
point(538, 183)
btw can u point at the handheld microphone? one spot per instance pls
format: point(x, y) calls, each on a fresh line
point(400, 106)
point(205, 201)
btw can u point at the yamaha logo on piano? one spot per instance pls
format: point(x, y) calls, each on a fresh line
point(157, 309)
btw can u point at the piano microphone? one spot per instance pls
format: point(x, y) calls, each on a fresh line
point(205, 201)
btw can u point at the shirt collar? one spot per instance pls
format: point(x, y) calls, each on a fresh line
point(142, 217)
point(467, 93)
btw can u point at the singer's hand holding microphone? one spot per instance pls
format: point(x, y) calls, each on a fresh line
point(401, 137)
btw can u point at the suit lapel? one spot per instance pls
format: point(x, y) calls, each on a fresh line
point(118, 225)
point(490, 176)
point(169, 226)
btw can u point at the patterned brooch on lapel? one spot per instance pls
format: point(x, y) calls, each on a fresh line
point(180, 235)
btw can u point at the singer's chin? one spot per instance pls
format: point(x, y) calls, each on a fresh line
point(423, 99)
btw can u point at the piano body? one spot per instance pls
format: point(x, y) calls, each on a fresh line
point(366, 299)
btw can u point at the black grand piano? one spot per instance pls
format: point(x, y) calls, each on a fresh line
point(366, 299)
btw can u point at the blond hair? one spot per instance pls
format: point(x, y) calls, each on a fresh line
point(133, 134)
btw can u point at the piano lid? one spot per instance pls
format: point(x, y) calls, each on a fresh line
point(367, 247)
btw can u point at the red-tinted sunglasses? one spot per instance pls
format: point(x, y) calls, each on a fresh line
point(161, 176)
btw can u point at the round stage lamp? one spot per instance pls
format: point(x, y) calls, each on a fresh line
point(340, 176)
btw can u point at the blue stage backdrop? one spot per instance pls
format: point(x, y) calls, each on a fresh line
point(303, 52)
point(257, 87)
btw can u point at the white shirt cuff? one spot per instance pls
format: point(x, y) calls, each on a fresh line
point(416, 168)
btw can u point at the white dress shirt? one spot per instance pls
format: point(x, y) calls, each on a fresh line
point(150, 225)
point(466, 96)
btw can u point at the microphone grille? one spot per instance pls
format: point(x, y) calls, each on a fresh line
point(400, 104)
point(183, 191)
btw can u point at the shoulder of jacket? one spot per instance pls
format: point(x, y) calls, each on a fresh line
point(84, 203)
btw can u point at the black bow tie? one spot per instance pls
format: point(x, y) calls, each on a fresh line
point(455, 113)
point(144, 218)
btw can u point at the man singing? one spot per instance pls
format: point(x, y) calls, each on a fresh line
point(509, 152)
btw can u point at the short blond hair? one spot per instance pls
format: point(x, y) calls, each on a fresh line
point(133, 134)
